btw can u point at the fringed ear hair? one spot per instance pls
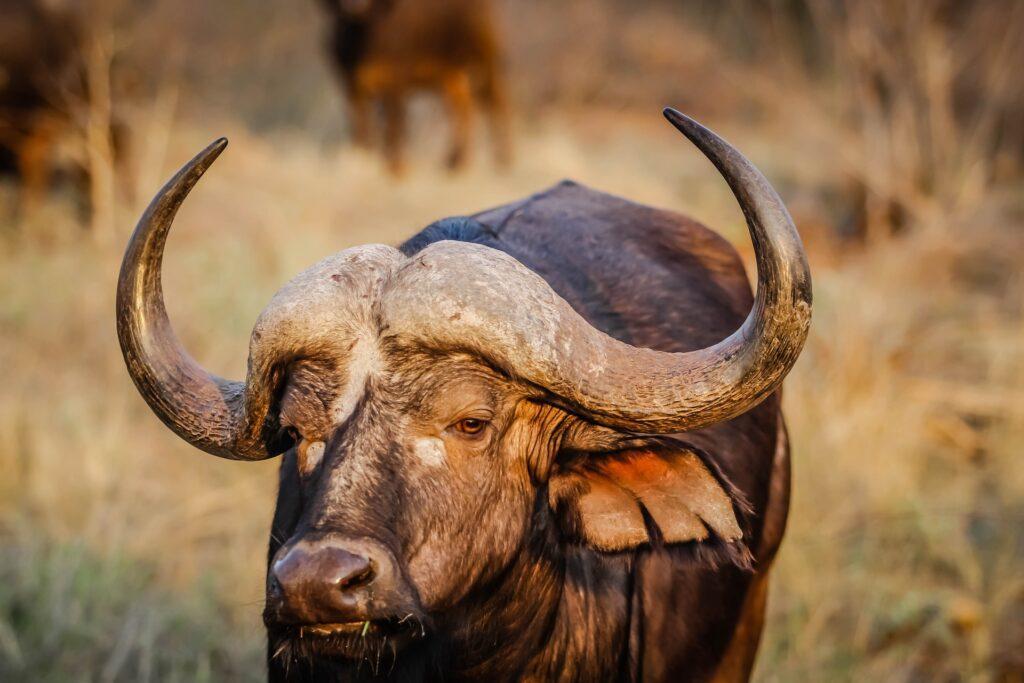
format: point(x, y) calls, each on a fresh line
point(662, 494)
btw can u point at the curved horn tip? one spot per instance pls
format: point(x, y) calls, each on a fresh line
point(675, 116)
point(689, 127)
point(202, 161)
point(212, 151)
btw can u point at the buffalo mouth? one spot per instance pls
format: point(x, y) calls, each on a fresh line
point(371, 640)
point(347, 628)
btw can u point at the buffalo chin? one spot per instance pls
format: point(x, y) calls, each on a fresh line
point(377, 642)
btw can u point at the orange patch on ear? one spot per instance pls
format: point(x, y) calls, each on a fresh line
point(610, 519)
point(679, 492)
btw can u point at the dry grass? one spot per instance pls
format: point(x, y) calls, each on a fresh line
point(127, 555)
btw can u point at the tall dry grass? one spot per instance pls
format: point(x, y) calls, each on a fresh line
point(127, 555)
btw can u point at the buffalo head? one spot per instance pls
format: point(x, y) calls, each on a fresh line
point(445, 409)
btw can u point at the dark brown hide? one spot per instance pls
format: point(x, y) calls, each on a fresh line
point(560, 610)
point(655, 279)
point(384, 51)
point(481, 479)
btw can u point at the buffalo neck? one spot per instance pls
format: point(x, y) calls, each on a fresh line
point(555, 608)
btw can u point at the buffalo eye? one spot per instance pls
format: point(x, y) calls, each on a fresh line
point(284, 438)
point(470, 426)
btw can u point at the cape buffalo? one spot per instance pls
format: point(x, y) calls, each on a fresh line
point(385, 50)
point(44, 87)
point(541, 443)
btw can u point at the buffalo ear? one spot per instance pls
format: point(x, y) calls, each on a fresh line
point(655, 494)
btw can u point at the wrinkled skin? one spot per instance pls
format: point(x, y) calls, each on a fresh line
point(403, 445)
point(471, 482)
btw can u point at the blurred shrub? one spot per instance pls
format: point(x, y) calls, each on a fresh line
point(67, 612)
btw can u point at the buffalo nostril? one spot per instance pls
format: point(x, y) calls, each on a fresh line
point(354, 573)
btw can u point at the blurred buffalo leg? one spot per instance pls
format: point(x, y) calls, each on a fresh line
point(493, 99)
point(34, 158)
point(458, 98)
point(394, 132)
point(360, 111)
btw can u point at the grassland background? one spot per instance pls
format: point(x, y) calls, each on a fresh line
point(127, 555)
